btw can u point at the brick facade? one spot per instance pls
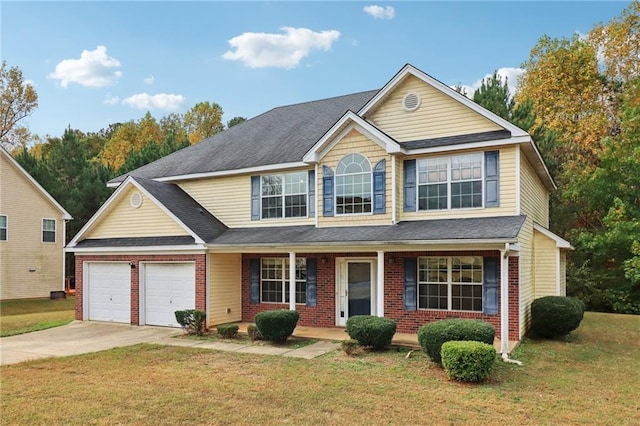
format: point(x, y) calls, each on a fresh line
point(200, 261)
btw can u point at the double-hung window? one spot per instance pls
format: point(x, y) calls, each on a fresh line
point(452, 182)
point(274, 280)
point(284, 195)
point(450, 283)
point(48, 230)
point(353, 185)
point(3, 227)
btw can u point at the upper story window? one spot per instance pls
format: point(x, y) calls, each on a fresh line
point(284, 195)
point(48, 230)
point(452, 182)
point(3, 227)
point(353, 185)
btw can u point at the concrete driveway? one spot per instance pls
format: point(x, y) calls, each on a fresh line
point(78, 337)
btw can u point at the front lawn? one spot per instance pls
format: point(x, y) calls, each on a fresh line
point(590, 379)
point(24, 316)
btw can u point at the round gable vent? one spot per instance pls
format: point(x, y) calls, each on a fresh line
point(411, 101)
point(136, 200)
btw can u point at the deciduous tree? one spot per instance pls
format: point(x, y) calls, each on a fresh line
point(18, 99)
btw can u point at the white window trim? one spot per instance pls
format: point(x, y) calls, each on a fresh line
point(449, 182)
point(306, 194)
point(449, 284)
point(335, 188)
point(6, 228)
point(55, 231)
point(285, 278)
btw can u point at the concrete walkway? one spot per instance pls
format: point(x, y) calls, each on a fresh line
point(81, 337)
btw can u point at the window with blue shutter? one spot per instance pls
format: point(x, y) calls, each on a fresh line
point(490, 286)
point(410, 283)
point(491, 179)
point(327, 191)
point(379, 187)
point(409, 186)
point(312, 267)
point(255, 197)
point(254, 280)
point(312, 193)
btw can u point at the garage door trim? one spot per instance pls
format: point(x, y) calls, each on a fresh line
point(86, 290)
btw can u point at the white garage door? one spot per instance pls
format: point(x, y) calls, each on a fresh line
point(109, 292)
point(168, 287)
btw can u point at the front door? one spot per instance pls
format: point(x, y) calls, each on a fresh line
point(356, 283)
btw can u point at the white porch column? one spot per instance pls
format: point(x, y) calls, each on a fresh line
point(380, 285)
point(504, 300)
point(292, 281)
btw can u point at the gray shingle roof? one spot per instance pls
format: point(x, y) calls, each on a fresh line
point(186, 209)
point(486, 228)
point(137, 242)
point(456, 140)
point(281, 135)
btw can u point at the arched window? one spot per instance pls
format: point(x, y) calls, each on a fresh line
point(353, 185)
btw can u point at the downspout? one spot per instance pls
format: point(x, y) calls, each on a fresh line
point(504, 307)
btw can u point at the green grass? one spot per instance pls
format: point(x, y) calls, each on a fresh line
point(25, 316)
point(590, 378)
point(243, 339)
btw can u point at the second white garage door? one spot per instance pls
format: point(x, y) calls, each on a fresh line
point(168, 287)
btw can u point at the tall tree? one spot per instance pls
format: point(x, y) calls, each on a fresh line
point(203, 120)
point(235, 121)
point(493, 94)
point(18, 99)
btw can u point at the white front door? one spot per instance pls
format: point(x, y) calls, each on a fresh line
point(356, 288)
point(107, 292)
point(168, 287)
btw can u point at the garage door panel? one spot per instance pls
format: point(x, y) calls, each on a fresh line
point(109, 294)
point(169, 287)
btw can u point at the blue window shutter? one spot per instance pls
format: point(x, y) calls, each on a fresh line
point(379, 186)
point(409, 185)
point(255, 197)
point(491, 179)
point(311, 203)
point(327, 191)
point(410, 283)
point(254, 280)
point(312, 281)
point(490, 286)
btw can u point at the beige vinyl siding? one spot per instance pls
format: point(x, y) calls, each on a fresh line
point(225, 270)
point(527, 273)
point(507, 164)
point(229, 199)
point(356, 142)
point(534, 196)
point(438, 115)
point(25, 206)
point(545, 251)
point(123, 220)
point(563, 273)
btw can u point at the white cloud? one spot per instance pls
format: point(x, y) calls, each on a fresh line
point(510, 73)
point(111, 100)
point(149, 80)
point(94, 69)
point(379, 12)
point(162, 101)
point(262, 50)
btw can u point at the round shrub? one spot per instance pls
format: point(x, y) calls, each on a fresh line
point(431, 336)
point(253, 333)
point(375, 332)
point(555, 316)
point(468, 361)
point(227, 331)
point(350, 347)
point(277, 326)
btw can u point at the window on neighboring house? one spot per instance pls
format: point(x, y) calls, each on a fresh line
point(3, 227)
point(48, 230)
point(274, 280)
point(450, 182)
point(353, 185)
point(284, 195)
point(450, 283)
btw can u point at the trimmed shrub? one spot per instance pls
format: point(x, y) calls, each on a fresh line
point(192, 321)
point(431, 336)
point(350, 347)
point(227, 331)
point(375, 332)
point(253, 333)
point(468, 361)
point(277, 326)
point(555, 316)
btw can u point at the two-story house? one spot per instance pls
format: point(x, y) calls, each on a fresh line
point(409, 202)
point(32, 235)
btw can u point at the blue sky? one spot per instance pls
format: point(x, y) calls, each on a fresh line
point(96, 63)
